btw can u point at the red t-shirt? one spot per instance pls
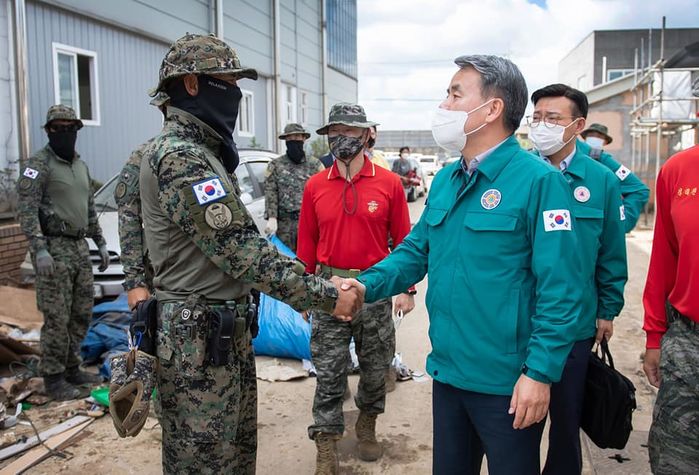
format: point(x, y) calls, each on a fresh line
point(331, 236)
point(674, 263)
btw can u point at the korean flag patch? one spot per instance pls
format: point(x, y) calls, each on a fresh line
point(31, 173)
point(557, 220)
point(623, 172)
point(209, 191)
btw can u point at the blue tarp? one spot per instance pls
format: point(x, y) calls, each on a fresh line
point(105, 338)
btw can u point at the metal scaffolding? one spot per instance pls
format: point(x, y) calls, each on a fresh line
point(652, 134)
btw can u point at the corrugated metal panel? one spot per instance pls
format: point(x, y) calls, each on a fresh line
point(127, 67)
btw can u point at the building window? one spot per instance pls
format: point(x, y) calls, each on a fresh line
point(76, 82)
point(342, 36)
point(246, 118)
point(304, 108)
point(613, 74)
point(288, 104)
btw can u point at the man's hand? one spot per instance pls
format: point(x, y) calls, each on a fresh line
point(44, 263)
point(349, 300)
point(271, 227)
point(404, 302)
point(104, 258)
point(137, 295)
point(605, 328)
point(530, 402)
point(651, 366)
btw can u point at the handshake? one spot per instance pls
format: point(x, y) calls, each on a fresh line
point(350, 298)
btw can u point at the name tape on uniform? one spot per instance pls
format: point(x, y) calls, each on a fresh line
point(622, 213)
point(31, 173)
point(557, 220)
point(209, 191)
point(623, 172)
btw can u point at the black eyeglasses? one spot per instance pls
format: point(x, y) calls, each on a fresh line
point(64, 128)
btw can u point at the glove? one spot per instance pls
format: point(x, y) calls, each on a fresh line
point(104, 258)
point(271, 227)
point(44, 263)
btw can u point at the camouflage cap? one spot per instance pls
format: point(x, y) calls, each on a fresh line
point(292, 129)
point(130, 389)
point(600, 129)
point(199, 54)
point(62, 112)
point(344, 113)
point(161, 98)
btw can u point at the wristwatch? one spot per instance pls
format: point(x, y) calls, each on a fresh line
point(412, 292)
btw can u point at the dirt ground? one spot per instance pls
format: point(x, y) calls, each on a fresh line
point(284, 410)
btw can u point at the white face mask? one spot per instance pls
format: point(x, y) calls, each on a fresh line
point(549, 140)
point(595, 142)
point(404, 156)
point(448, 128)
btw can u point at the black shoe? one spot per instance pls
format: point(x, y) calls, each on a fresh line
point(78, 377)
point(58, 389)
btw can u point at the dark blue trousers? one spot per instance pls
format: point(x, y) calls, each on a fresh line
point(565, 456)
point(468, 425)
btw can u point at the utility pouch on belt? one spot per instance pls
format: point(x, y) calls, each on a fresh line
point(144, 321)
point(252, 313)
point(223, 328)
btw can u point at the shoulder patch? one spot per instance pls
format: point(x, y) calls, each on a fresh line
point(120, 190)
point(623, 172)
point(209, 191)
point(557, 220)
point(31, 173)
point(218, 216)
point(24, 183)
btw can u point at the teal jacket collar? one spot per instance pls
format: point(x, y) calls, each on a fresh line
point(494, 163)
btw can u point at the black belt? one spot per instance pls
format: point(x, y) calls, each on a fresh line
point(68, 233)
point(673, 315)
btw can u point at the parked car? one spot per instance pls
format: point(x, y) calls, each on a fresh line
point(251, 176)
point(415, 191)
point(429, 164)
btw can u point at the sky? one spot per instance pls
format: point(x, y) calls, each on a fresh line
point(406, 48)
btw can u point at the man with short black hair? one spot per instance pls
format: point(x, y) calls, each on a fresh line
point(559, 116)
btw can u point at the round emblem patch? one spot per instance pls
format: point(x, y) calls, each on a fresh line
point(186, 313)
point(491, 199)
point(25, 183)
point(581, 194)
point(218, 216)
point(120, 190)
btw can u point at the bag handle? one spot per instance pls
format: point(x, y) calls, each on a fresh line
point(606, 356)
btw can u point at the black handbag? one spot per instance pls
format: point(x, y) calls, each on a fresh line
point(610, 399)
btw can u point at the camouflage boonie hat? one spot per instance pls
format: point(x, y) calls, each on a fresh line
point(600, 129)
point(161, 98)
point(130, 389)
point(292, 129)
point(344, 113)
point(198, 54)
point(62, 112)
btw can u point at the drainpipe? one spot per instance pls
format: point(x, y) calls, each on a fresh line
point(277, 70)
point(20, 42)
point(219, 19)
point(324, 56)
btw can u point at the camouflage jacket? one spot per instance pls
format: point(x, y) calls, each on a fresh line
point(128, 199)
point(54, 198)
point(200, 237)
point(284, 185)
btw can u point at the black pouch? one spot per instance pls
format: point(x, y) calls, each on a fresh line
point(253, 313)
point(144, 321)
point(222, 326)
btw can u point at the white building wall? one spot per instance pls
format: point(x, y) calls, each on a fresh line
point(9, 146)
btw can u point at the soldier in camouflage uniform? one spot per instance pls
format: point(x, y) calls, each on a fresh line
point(286, 177)
point(56, 211)
point(207, 257)
point(137, 272)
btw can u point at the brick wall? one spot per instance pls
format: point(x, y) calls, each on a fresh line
point(13, 248)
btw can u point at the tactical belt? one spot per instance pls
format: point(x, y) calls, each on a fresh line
point(673, 314)
point(68, 233)
point(344, 273)
point(289, 214)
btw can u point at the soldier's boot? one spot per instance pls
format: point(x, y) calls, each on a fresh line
point(58, 389)
point(78, 377)
point(327, 462)
point(368, 447)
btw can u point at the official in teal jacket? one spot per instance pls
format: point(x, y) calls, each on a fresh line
point(498, 242)
point(633, 191)
point(559, 116)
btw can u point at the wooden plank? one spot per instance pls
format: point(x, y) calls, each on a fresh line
point(38, 454)
point(33, 441)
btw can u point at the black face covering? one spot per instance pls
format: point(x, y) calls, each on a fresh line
point(370, 143)
point(294, 150)
point(63, 144)
point(216, 104)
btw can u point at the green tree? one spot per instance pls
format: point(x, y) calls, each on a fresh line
point(254, 143)
point(319, 147)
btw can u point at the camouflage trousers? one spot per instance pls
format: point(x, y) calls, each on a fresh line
point(375, 342)
point(673, 441)
point(208, 414)
point(288, 231)
point(66, 299)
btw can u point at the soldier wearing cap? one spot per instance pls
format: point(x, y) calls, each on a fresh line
point(286, 177)
point(57, 212)
point(137, 272)
point(348, 213)
point(208, 258)
point(634, 193)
